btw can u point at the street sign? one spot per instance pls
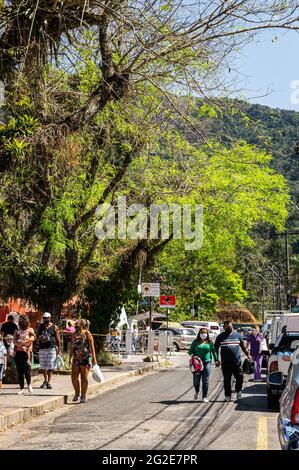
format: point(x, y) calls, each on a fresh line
point(167, 301)
point(150, 289)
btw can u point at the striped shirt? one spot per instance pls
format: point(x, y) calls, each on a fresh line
point(230, 347)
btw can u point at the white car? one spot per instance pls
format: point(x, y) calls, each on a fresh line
point(279, 361)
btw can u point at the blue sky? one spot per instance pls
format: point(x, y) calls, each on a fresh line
point(271, 66)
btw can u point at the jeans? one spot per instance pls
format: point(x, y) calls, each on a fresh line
point(23, 368)
point(204, 375)
point(258, 369)
point(227, 371)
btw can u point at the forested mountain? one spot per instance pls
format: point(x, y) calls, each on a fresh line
point(276, 131)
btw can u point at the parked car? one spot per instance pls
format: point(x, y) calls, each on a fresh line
point(212, 333)
point(288, 419)
point(244, 331)
point(210, 325)
point(182, 337)
point(279, 361)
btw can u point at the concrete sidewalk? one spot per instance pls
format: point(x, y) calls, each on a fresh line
point(16, 409)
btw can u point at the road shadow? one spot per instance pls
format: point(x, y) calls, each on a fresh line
point(254, 403)
point(256, 389)
point(179, 402)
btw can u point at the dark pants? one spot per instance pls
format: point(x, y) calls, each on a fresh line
point(204, 375)
point(23, 368)
point(228, 370)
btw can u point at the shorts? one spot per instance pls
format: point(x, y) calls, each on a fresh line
point(1, 371)
point(47, 358)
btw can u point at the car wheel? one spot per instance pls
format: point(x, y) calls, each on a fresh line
point(176, 347)
point(272, 401)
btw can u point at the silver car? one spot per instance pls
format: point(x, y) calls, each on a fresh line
point(182, 337)
point(288, 419)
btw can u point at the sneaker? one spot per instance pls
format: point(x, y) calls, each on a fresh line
point(49, 385)
point(83, 400)
point(195, 396)
point(205, 400)
point(44, 384)
point(30, 389)
point(20, 392)
point(239, 396)
point(227, 399)
point(76, 398)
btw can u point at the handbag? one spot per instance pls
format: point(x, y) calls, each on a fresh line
point(248, 367)
point(195, 365)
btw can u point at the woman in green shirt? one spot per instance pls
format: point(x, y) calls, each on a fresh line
point(203, 348)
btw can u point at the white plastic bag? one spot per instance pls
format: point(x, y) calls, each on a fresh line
point(263, 346)
point(97, 374)
point(59, 362)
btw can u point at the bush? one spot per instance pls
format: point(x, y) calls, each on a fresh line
point(107, 359)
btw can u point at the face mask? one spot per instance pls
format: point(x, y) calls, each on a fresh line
point(203, 336)
point(46, 320)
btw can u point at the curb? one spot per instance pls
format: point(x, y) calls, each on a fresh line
point(20, 415)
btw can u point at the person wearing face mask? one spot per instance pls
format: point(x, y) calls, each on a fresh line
point(203, 348)
point(82, 357)
point(23, 340)
point(254, 341)
point(49, 347)
point(230, 342)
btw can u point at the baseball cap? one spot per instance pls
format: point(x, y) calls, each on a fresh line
point(46, 315)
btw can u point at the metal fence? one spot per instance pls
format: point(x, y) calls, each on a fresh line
point(128, 342)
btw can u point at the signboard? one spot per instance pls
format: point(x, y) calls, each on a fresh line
point(167, 301)
point(150, 289)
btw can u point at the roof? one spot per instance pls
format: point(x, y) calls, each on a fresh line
point(146, 316)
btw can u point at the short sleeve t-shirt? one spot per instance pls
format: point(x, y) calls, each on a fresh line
point(8, 328)
point(229, 344)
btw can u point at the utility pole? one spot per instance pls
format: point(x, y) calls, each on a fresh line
point(288, 287)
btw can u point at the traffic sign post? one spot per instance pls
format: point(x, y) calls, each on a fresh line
point(167, 301)
point(149, 289)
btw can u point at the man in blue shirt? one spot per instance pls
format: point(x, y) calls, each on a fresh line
point(230, 342)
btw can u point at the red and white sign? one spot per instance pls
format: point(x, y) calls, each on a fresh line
point(167, 301)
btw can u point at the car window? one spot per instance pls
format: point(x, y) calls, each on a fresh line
point(187, 332)
point(284, 343)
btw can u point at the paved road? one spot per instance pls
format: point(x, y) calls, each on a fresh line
point(155, 412)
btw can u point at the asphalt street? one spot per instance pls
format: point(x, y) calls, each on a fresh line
point(155, 412)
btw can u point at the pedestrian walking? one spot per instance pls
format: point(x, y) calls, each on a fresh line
point(230, 342)
point(203, 348)
point(49, 348)
point(82, 357)
point(67, 338)
point(23, 343)
point(3, 355)
point(255, 342)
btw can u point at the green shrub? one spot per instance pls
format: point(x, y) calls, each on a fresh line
point(107, 359)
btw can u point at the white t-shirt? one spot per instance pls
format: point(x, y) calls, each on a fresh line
point(3, 352)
